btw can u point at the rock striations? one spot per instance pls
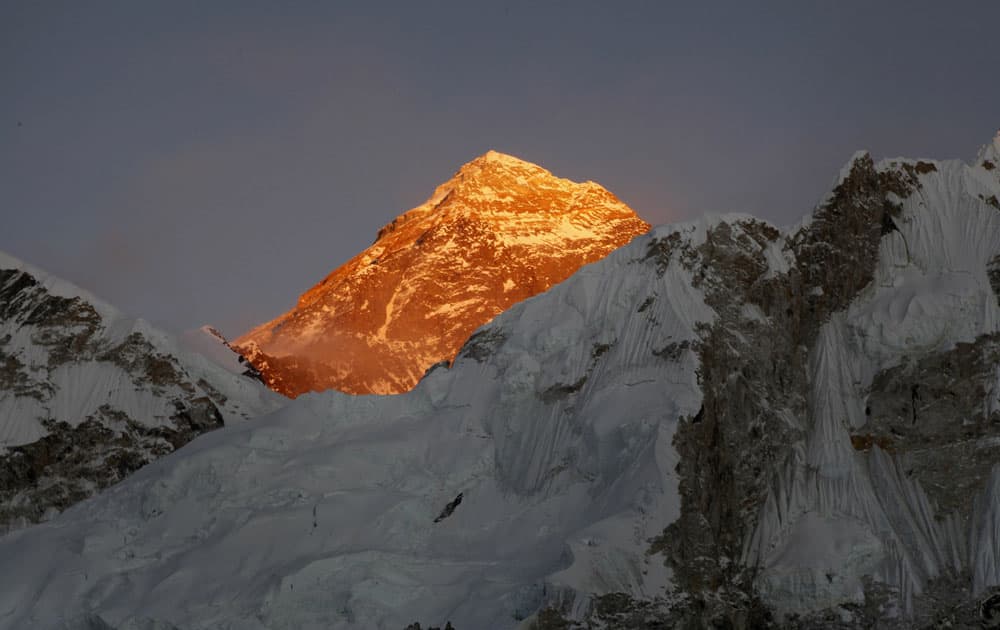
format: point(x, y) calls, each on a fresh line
point(499, 231)
point(720, 425)
point(88, 396)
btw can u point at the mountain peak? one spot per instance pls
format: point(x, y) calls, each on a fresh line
point(499, 231)
point(989, 155)
point(782, 429)
point(496, 164)
point(502, 158)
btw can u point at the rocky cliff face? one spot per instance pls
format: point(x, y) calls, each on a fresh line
point(87, 396)
point(722, 424)
point(501, 230)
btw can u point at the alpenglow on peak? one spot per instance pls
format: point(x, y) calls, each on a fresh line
point(498, 231)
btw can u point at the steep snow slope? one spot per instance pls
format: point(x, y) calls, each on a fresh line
point(719, 424)
point(88, 395)
point(908, 375)
point(499, 231)
point(212, 344)
point(555, 422)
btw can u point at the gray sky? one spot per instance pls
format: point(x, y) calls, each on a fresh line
point(206, 162)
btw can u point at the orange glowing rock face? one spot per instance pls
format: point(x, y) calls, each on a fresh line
point(500, 231)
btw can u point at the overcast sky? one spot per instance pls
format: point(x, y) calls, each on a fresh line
point(206, 162)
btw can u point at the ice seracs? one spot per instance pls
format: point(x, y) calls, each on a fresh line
point(554, 424)
point(721, 424)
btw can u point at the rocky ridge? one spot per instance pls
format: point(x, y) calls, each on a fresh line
point(722, 424)
point(88, 396)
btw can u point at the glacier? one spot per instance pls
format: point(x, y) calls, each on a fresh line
point(715, 417)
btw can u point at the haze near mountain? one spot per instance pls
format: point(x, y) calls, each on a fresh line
point(499, 231)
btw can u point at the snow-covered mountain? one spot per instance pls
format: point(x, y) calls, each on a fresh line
point(87, 396)
point(209, 342)
point(499, 231)
point(722, 424)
